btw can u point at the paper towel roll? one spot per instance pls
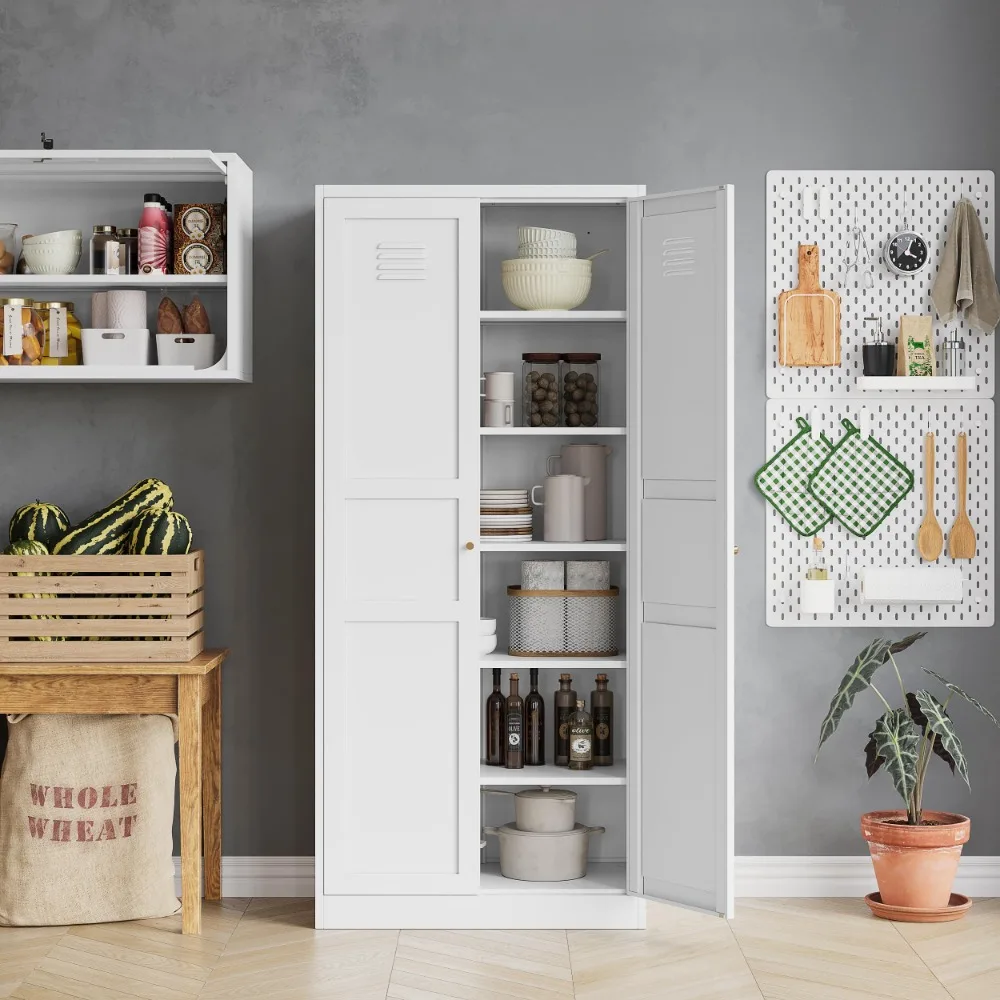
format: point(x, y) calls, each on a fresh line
point(126, 309)
point(99, 310)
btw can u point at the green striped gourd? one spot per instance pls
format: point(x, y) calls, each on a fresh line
point(160, 533)
point(31, 548)
point(39, 522)
point(106, 531)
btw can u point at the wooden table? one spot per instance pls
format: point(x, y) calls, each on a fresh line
point(193, 692)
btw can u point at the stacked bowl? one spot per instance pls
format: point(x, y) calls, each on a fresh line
point(52, 253)
point(546, 273)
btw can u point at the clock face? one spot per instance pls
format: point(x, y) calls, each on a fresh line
point(906, 253)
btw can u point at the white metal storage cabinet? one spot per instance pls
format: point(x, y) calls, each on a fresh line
point(409, 312)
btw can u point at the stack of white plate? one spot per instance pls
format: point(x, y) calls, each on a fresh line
point(504, 514)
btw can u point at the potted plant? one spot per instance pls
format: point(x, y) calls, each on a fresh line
point(914, 851)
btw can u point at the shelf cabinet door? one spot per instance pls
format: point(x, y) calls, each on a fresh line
point(680, 535)
point(398, 606)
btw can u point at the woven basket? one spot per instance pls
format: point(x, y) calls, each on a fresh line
point(562, 622)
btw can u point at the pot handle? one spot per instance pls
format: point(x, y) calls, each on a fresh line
point(487, 830)
point(590, 829)
point(498, 791)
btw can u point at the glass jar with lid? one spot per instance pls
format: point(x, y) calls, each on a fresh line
point(105, 251)
point(580, 383)
point(129, 252)
point(61, 345)
point(19, 321)
point(540, 389)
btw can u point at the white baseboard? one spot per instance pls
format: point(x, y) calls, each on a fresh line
point(845, 876)
point(796, 875)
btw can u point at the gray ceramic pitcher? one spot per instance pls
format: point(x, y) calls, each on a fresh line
point(590, 461)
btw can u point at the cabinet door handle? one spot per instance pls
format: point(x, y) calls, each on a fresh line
point(736, 550)
point(470, 545)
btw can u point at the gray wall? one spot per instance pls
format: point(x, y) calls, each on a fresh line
point(674, 95)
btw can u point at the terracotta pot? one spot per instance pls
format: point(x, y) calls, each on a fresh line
point(915, 866)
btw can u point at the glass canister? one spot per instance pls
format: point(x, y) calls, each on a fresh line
point(61, 345)
point(21, 327)
point(129, 252)
point(581, 389)
point(105, 251)
point(540, 389)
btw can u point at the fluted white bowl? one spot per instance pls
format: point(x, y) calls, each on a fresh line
point(51, 258)
point(546, 284)
point(535, 234)
point(46, 239)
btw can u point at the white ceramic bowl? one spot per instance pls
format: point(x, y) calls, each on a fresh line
point(487, 643)
point(487, 626)
point(534, 234)
point(546, 284)
point(51, 258)
point(44, 239)
point(561, 265)
point(534, 250)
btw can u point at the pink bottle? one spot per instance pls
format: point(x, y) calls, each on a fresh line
point(154, 236)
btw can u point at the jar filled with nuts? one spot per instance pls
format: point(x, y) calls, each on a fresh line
point(21, 327)
point(581, 392)
point(540, 389)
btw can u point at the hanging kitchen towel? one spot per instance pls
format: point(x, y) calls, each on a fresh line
point(860, 483)
point(966, 282)
point(784, 480)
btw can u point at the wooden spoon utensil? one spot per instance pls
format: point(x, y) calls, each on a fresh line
point(930, 540)
point(962, 537)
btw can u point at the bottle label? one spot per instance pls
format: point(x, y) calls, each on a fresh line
point(602, 732)
point(58, 342)
point(514, 730)
point(112, 257)
point(563, 717)
point(579, 747)
point(152, 250)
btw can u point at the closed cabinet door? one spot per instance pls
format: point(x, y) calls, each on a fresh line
point(681, 548)
point(399, 601)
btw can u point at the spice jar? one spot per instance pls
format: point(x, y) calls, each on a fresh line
point(581, 389)
point(540, 389)
point(21, 328)
point(129, 252)
point(105, 251)
point(61, 343)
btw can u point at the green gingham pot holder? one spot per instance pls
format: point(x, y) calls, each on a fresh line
point(784, 480)
point(860, 483)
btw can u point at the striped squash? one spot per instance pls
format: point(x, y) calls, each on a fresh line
point(106, 531)
point(31, 548)
point(160, 533)
point(42, 522)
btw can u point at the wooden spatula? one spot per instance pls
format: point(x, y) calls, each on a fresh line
point(930, 540)
point(962, 537)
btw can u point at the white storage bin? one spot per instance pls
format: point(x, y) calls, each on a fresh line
point(106, 346)
point(193, 350)
point(817, 597)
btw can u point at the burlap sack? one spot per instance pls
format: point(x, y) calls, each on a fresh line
point(86, 809)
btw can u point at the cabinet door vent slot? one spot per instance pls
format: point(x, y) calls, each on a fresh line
point(678, 257)
point(400, 261)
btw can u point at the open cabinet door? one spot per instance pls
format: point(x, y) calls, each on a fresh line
point(681, 548)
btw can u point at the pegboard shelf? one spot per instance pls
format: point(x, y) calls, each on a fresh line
point(918, 386)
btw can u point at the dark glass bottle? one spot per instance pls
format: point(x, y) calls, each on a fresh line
point(602, 709)
point(534, 724)
point(515, 726)
point(581, 739)
point(495, 713)
point(565, 703)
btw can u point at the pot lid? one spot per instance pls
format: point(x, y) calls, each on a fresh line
point(551, 794)
point(579, 829)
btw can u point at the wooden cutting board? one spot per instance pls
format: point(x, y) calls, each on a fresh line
point(809, 317)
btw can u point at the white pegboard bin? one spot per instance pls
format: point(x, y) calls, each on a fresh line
point(930, 198)
point(900, 426)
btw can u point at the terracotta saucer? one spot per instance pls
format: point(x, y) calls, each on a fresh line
point(955, 910)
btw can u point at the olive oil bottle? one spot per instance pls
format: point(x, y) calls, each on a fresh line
point(602, 707)
point(565, 703)
point(534, 724)
point(496, 711)
point(581, 739)
point(514, 726)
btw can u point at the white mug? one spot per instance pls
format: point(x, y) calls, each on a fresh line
point(499, 385)
point(498, 413)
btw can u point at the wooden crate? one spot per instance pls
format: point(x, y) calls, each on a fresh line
point(105, 608)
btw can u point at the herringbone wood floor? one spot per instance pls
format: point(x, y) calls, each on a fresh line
point(266, 949)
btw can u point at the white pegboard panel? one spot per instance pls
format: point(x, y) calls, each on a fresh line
point(900, 426)
point(928, 199)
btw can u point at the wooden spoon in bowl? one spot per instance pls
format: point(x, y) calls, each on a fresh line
point(930, 540)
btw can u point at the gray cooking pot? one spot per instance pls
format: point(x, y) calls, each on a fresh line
point(543, 857)
point(541, 810)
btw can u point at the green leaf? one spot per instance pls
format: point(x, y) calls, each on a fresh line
point(896, 742)
point(920, 720)
point(872, 760)
point(858, 677)
point(968, 697)
point(941, 724)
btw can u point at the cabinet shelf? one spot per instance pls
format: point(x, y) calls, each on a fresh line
point(553, 316)
point(98, 282)
point(604, 878)
point(531, 545)
point(507, 662)
point(551, 776)
point(551, 431)
point(924, 386)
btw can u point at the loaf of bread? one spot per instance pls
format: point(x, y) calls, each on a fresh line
point(168, 317)
point(195, 317)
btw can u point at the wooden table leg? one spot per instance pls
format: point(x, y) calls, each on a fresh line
point(211, 783)
point(189, 689)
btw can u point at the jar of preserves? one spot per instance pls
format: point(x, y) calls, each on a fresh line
point(61, 343)
point(540, 389)
point(21, 327)
point(581, 389)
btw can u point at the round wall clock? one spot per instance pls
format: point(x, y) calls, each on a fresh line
point(905, 252)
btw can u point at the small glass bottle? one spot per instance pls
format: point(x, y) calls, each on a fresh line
point(602, 705)
point(817, 569)
point(534, 724)
point(565, 700)
point(495, 721)
point(514, 715)
point(581, 739)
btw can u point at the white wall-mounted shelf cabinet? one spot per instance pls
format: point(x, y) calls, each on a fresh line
point(403, 577)
point(44, 191)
